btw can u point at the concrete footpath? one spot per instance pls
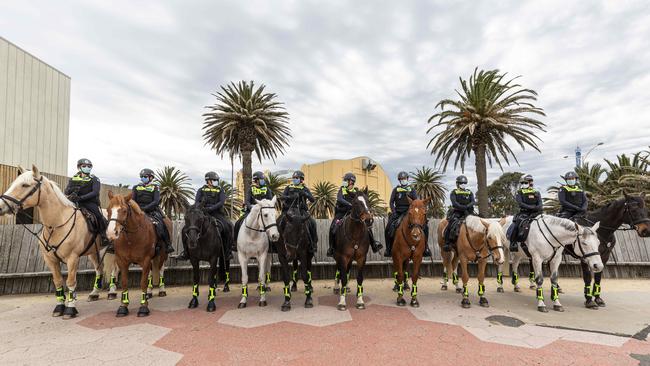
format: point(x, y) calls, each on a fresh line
point(510, 332)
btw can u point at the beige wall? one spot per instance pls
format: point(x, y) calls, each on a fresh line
point(34, 111)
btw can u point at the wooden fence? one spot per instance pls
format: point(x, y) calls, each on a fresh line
point(22, 269)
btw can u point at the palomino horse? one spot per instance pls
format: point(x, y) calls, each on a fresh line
point(477, 241)
point(409, 244)
point(134, 238)
point(547, 238)
point(294, 245)
point(352, 243)
point(203, 241)
point(253, 241)
point(65, 236)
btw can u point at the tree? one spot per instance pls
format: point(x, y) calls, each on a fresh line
point(376, 205)
point(325, 200)
point(428, 184)
point(246, 119)
point(490, 112)
point(276, 185)
point(501, 194)
point(233, 204)
point(175, 190)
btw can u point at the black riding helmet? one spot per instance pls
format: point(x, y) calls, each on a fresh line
point(461, 179)
point(298, 174)
point(84, 161)
point(146, 172)
point(350, 177)
point(212, 176)
point(402, 175)
point(526, 179)
point(570, 175)
point(257, 176)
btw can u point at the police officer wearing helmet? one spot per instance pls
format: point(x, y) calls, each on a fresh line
point(259, 191)
point(572, 198)
point(297, 194)
point(147, 195)
point(214, 199)
point(530, 205)
point(343, 206)
point(462, 203)
point(83, 189)
point(399, 206)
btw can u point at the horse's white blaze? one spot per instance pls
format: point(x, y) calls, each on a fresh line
point(363, 200)
point(110, 231)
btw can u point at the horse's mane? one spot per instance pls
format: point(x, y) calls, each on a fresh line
point(58, 193)
point(564, 223)
point(135, 207)
point(474, 223)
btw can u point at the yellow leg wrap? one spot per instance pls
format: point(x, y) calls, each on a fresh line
point(150, 282)
point(161, 283)
point(98, 282)
point(195, 290)
point(211, 296)
point(287, 292)
point(294, 275)
point(400, 289)
point(359, 290)
point(540, 294)
point(262, 288)
point(454, 278)
point(125, 297)
point(244, 291)
point(596, 289)
point(465, 291)
point(414, 290)
point(143, 298)
point(500, 278)
point(268, 277)
point(112, 281)
point(481, 290)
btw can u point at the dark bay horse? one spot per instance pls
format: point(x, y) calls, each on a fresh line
point(352, 243)
point(134, 237)
point(202, 240)
point(408, 245)
point(628, 210)
point(294, 246)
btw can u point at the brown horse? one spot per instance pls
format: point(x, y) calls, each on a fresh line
point(135, 239)
point(409, 244)
point(478, 240)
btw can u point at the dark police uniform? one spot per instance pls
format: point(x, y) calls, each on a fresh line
point(147, 196)
point(399, 205)
point(86, 188)
point(257, 193)
point(573, 200)
point(297, 195)
point(213, 200)
point(462, 203)
point(530, 205)
point(343, 206)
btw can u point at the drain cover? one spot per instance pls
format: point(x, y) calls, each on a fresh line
point(508, 321)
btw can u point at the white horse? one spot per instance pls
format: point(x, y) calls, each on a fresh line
point(253, 241)
point(546, 240)
point(65, 236)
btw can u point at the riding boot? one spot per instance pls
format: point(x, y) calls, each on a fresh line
point(183, 256)
point(313, 236)
point(374, 244)
point(427, 251)
point(389, 247)
point(330, 248)
point(514, 247)
point(169, 247)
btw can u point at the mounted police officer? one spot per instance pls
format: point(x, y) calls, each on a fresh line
point(462, 203)
point(530, 205)
point(572, 198)
point(259, 191)
point(147, 195)
point(399, 206)
point(213, 200)
point(343, 207)
point(297, 194)
point(83, 189)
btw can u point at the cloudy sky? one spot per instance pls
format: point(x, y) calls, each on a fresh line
point(357, 77)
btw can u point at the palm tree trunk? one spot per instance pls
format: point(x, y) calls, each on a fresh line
point(247, 172)
point(481, 180)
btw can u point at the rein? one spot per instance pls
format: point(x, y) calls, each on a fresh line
point(576, 241)
point(477, 251)
point(261, 218)
point(407, 238)
point(123, 224)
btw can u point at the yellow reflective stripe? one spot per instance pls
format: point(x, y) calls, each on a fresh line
point(574, 189)
point(407, 189)
point(345, 191)
point(149, 188)
point(208, 189)
point(259, 191)
point(460, 191)
point(528, 190)
point(299, 186)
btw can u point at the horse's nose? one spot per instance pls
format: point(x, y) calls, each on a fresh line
point(598, 267)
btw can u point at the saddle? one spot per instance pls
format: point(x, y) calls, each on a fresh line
point(452, 231)
point(519, 233)
point(91, 220)
point(393, 229)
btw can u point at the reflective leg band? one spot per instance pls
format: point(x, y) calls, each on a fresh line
point(465, 291)
point(262, 288)
point(161, 283)
point(554, 293)
point(294, 275)
point(395, 277)
point(72, 295)
point(540, 294)
point(287, 293)
point(500, 278)
point(596, 290)
point(337, 276)
point(212, 294)
point(268, 277)
point(309, 276)
point(60, 295)
point(414, 290)
point(143, 298)
point(244, 291)
point(359, 290)
point(308, 288)
point(515, 278)
point(531, 276)
point(125, 297)
point(344, 291)
point(195, 290)
point(227, 277)
point(588, 291)
point(454, 278)
point(400, 289)
point(406, 274)
point(150, 282)
point(348, 276)
point(445, 277)
point(98, 282)
point(112, 281)
point(481, 290)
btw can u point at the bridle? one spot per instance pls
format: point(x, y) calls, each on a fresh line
point(632, 222)
point(286, 243)
point(266, 227)
point(411, 226)
point(19, 202)
point(486, 242)
point(577, 241)
point(123, 224)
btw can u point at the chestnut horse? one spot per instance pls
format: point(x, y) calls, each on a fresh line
point(409, 244)
point(478, 240)
point(134, 238)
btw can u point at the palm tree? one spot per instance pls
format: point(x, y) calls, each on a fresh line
point(276, 185)
point(490, 111)
point(376, 205)
point(175, 190)
point(233, 204)
point(428, 184)
point(325, 195)
point(246, 119)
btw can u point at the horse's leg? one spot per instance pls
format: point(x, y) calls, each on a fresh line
point(482, 300)
point(514, 274)
point(417, 261)
point(446, 265)
point(72, 263)
point(454, 273)
point(112, 287)
point(243, 263)
point(532, 279)
point(597, 277)
point(406, 275)
point(150, 281)
point(343, 274)
point(123, 265)
point(361, 261)
point(500, 277)
point(536, 263)
point(284, 265)
point(262, 261)
point(160, 272)
point(97, 284)
point(213, 284)
point(57, 278)
point(398, 270)
point(465, 301)
point(196, 278)
point(294, 276)
point(144, 284)
point(267, 278)
point(225, 271)
point(309, 302)
point(337, 281)
point(555, 290)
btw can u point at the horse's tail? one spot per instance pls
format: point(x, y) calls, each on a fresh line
point(110, 265)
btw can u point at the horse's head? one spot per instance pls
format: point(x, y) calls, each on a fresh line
point(417, 218)
point(295, 230)
point(266, 214)
point(195, 220)
point(637, 215)
point(360, 210)
point(495, 238)
point(587, 246)
point(24, 192)
point(120, 208)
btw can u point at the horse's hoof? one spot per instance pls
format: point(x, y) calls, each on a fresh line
point(122, 311)
point(294, 287)
point(465, 304)
point(590, 304)
point(309, 303)
point(111, 296)
point(401, 301)
point(542, 309)
point(406, 286)
point(262, 303)
point(336, 290)
point(149, 295)
point(93, 297)
point(241, 305)
point(396, 288)
point(361, 306)
point(226, 288)
point(267, 288)
point(459, 290)
point(600, 302)
point(517, 289)
point(193, 303)
point(558, 308)
point(211, 306)
point(500, 289)
point(70, 312)
point(484, 302)
point(347, 290)
point(286, 306)
point(58, 310)
point(443, 287)
point(341, 307)
point(143, 311)
point(415, 303)
point(162, 293)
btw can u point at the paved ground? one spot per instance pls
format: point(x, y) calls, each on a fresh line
point(509, 332)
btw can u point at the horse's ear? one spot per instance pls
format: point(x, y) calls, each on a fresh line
point(128, 197)
point(257, 202)
point(274, 200)
point(485, 223)
point(110, 195)
point(37, 174)
point(20, 170)
point(596, 226)
point(626, 195)
point(427, 201)
point(365, 191)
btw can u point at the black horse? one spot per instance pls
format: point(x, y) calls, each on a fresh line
point(628, 210)
point(202, 241)
point(293, 246)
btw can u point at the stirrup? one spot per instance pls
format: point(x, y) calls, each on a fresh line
point(446, 248)
point(514, 247)
point(330, 252)
point(387, 253)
